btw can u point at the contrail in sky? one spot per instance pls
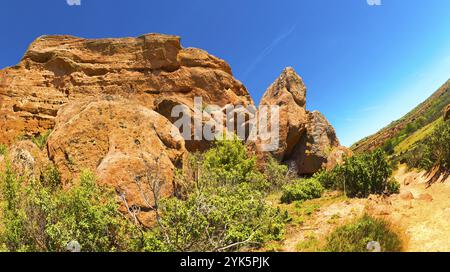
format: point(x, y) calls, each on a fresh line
point(269, 49)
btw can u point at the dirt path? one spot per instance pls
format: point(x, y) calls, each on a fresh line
point(425, 219)
point(421, 214)
point(320, 224)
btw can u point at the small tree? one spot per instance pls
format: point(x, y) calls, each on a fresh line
point(361, 175)
point(225, 209)
point(436, 149)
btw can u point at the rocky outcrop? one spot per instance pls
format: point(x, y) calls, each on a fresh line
point(307, 139)
point(289, 93)
point(126, 145)
point(321, 139)
point(447, 113)
point(57, 70)
point(25, 159)
point(109, 105)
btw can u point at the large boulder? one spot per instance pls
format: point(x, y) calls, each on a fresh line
point(25, 159)
point(288, 92)
point(57, 70)
point(307, 139)
point(320, 141)
point(126, 145)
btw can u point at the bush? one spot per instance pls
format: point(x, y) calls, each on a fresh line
point(41, 139)
point(37, 215)
point(3, 150)
point(355, 236)
point(228, 163)
point(360, 175)
point(216, 219)
point(89, 214)
point(302, 189)
point(436, 149)
point(393, 186)
point(276, 174)
point(225, 210)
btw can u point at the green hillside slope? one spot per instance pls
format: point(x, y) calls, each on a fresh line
point(401, 134)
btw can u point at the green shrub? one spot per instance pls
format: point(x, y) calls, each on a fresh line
point(276, 174)
point(436, 148)
point(225, 210)
point(228, 163)
point(224, 218)
point(41, 139)
point(3, 149)
point(89, 214)
point(360, 175)
point(302, 189)
point(13, 235)
point(355, 236)
point(393, 186)
point(39, 216)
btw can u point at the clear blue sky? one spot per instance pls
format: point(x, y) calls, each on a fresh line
point(364, 66)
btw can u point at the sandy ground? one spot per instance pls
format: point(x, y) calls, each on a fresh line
point(421, 213)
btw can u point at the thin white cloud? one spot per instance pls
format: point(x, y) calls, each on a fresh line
point(370, 109)
point(264, 53)
point(73, 2)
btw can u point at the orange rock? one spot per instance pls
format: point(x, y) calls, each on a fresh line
point(26, 159)
point(425, 197)
point(407, 196)
point(289, 93)
point(122, 142)
point(306, 138)
point(57, 70)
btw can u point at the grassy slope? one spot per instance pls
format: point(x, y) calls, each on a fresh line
point(417, 119)
point(420, 134)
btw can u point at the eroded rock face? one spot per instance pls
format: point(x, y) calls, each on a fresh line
point(57, 70)
point(123, 143)
point(289, 93)
point(321, 139)
point(307, 139)
point(25, 159)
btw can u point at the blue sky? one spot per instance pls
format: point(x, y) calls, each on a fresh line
point(364, 66)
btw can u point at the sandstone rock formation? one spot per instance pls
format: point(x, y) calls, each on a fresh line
point(25, 159)
point(109, 105)
point(289, 93)
point(124, 144)
point(307, 139)
point(57, 70)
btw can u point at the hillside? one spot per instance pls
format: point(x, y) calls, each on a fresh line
point(423, 116)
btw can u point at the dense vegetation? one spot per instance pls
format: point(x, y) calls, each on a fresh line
point(302, 189)
point(224, 211)
point(356, 236)
point(432, 151)
point(38, 215)
point(361, 175)
point(221, 207)
point(436, 148)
